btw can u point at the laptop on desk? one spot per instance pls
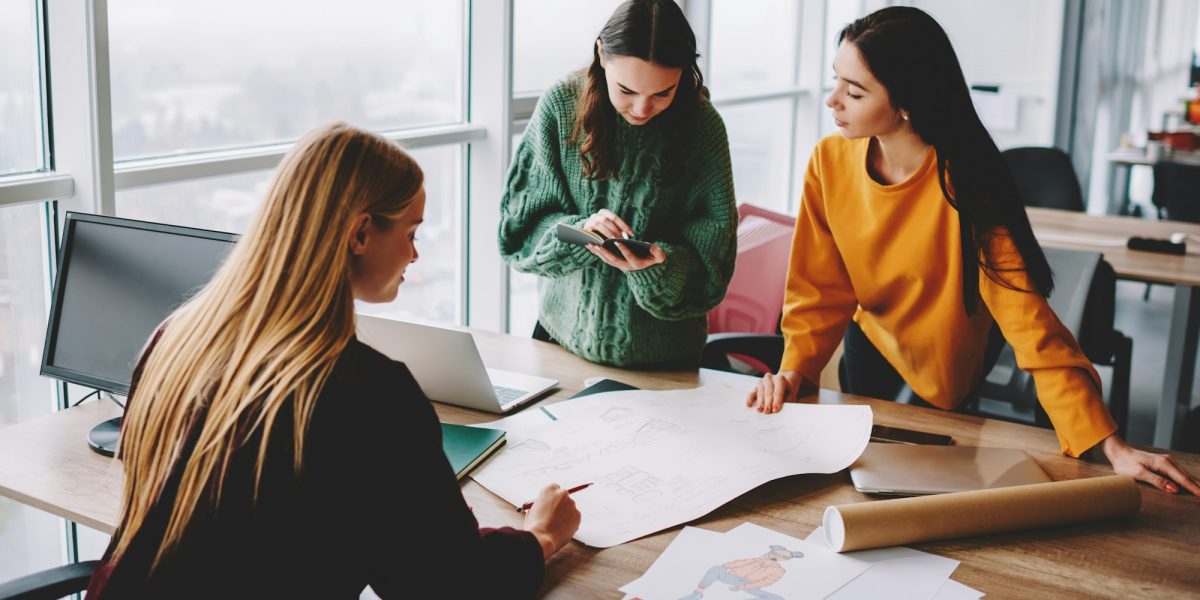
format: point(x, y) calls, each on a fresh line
point(447, 365)
point(915, 470)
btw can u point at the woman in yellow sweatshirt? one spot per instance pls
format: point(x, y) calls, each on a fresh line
point(912, 242)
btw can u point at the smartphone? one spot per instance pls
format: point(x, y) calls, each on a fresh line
point(639, 248)
point(896, 435)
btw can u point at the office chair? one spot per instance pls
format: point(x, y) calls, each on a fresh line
point(1177, 191)
point(50, 584)
point(1084, 299)
point(746, 323)
point(1045, 177)
point(1176, 195)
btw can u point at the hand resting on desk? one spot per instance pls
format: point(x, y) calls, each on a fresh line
point(1158, 470)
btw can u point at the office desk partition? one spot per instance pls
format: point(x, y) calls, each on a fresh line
point(1079, 231)
point(46, 463)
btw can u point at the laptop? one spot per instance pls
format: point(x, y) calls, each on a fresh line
point(447, 365)
point(914, 470)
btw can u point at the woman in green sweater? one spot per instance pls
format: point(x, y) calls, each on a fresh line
point(629, 147)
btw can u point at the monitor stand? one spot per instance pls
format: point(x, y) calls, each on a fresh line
point(105, 437)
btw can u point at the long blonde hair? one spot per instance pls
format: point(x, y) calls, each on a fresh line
point(267, 329)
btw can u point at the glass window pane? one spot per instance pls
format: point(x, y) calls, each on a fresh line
point(430, 290)
point(190, 76)
point(838, 15)
point(20, 89)
point(753, 45)
point(759, 144)
point(552, 38)
point(29, 538)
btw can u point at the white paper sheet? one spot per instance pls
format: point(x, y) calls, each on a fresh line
point(954, 590)
point(705, 564)
point(898, 573)
point(657, 459)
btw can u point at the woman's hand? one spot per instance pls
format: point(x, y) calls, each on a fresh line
point(610, 226)
point(606, 223)
point(627, 260)
point(553, 519)
point(1159, 470)
point(773, 390)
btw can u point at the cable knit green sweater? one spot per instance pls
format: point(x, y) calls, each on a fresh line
point(650, 317)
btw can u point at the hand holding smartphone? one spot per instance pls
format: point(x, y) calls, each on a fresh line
point(578, 235)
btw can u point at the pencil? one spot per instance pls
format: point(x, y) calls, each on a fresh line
point(528, 505)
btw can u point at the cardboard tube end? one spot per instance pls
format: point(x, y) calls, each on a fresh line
point(835, 529)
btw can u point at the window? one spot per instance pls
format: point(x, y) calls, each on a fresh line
point(552, 38)
point(431, 287)
point(190, 76)
point(753, 45)
point(21, 145)
point(837, 16)
point(760, 137)
point(222, 203)
point(753, 75)
point(29, 539)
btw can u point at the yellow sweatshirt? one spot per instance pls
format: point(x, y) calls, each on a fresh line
point(888, 256)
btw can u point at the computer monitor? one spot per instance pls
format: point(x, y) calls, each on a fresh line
point(117, 280)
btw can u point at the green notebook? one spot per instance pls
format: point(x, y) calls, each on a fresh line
point(466, 447)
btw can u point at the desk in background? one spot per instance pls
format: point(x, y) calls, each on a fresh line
point(46, 463)
point(1053, 226)
point(1128, 158)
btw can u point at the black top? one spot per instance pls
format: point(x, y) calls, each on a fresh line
point(375, 487)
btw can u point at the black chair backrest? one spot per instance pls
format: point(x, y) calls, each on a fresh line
point(1177, 190)
point(1045, 177)
point(1096, 331)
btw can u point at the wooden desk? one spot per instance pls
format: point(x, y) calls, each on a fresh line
point(46, 463)
point(1097, 234)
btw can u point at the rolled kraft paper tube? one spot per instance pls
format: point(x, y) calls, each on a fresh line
point(907, 520)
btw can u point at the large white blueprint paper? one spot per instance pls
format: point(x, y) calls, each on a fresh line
point(658, 459)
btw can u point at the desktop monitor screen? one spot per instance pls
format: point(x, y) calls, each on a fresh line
point(117, 280)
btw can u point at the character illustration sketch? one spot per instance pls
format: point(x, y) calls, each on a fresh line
point(748, 575)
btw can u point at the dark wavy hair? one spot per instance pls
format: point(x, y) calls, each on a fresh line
point(910, 54)
point(655, 31)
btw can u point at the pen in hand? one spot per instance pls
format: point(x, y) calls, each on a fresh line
point(528, 505)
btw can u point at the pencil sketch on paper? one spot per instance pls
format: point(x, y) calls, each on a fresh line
point(748, 575)
point(734, 565)
point(658, 459)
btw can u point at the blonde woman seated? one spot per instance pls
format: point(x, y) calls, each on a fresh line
point(269, 453)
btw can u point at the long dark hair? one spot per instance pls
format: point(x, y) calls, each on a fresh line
point(655, 31)
point(910, 54)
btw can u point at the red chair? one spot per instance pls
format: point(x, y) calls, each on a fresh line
point(746, 323)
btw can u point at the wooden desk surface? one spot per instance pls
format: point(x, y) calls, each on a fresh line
point(1128, 264)
point(46, 463)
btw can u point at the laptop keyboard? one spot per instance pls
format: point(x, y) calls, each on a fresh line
point(507, 394)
